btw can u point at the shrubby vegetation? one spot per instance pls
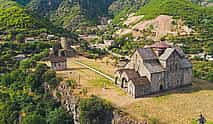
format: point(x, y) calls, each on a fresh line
point(23, 84)
point(95, 8)
point(91, 52)
point(33, 51)
point(17, 23)
point(120, 9)
point(95, 111)
point(126, 45)
point(22, 2)
point(14, 19)
point(203, 70)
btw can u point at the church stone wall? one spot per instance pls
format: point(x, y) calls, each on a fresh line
point(187, 80)
point(173, 76)
point(157, 81)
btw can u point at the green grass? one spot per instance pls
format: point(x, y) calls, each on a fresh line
point(97, 67)
point(100, 82)
point(195, 122)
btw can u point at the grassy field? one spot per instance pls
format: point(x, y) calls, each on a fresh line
point(180, 106)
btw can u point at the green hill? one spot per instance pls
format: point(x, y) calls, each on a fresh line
point(70, 14)
point(22, 2)
point(197, 17)
point(14, 19)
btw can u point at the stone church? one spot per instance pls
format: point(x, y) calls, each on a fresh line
point(153, 69)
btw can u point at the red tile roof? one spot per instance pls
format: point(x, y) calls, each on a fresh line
point(161, 45)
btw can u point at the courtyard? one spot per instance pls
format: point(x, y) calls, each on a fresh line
point(180, 106)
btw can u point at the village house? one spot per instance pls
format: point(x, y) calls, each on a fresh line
point(50, 37)
point(29, 40)
point(153, 69)
point(109, 43)
point(20, 57)
point(58, 63)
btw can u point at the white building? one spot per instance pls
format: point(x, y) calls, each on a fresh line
point(58, 63)
point(29, 39)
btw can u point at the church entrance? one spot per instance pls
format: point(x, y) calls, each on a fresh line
point(116, 80)
point(124, 83)
point(161, 87)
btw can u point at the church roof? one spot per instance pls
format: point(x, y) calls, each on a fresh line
point(130, 73)
point(134, 77)
point(185, 63)
point(140, 81)
point(153, 67)
point(169, 51)
point(180, 51)
point(147, 53)
point(58, 59)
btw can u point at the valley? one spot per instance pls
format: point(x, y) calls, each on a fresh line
point(176, 106)
point(106, 61)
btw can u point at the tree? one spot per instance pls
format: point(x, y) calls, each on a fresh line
point(95, 111)
point(26, 64)
point(51, 79)
point(40, 69)
point(72, 83)
point(33, 119)
point(20, 37)
point(59, 116)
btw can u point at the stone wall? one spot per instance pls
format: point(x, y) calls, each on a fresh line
point(173, 75)
point(69, 101)
point(157, 81)
point(122, 118)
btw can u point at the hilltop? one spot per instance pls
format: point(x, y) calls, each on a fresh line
point(70, 14)
point(177, 21)
point(15, 19)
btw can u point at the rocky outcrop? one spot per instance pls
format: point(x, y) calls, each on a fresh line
point(69, 101)
point(122, 118)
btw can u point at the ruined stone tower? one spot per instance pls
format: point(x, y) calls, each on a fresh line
point(65, 43)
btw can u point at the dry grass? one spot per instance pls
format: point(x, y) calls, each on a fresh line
point(176, 107)
point(173, 107)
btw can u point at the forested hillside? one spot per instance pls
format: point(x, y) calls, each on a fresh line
point(22, 2)
point(14, 19)
point(70, 14)
point(23, 99)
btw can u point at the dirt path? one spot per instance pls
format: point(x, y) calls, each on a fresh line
point(94, 81)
